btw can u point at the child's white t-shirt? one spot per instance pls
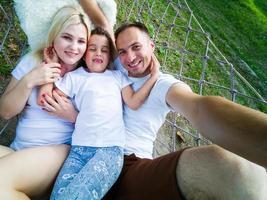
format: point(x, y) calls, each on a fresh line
point(98, 99)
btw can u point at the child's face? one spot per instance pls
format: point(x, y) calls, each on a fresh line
point(70, 44)
point(98, 54)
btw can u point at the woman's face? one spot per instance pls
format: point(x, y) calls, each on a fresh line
point(97, 54)
point(70, 44)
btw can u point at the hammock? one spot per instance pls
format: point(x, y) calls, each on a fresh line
point(184, 49)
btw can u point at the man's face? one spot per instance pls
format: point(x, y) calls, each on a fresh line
point(135, 51)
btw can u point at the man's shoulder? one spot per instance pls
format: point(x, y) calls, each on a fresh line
point(166, 81)
point(163, 75)
point(168, 78)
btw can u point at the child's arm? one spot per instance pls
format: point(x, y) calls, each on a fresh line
point(60, 104)
point(44, 90)
point(135, 99)
point(96, 15)
point(50, 56)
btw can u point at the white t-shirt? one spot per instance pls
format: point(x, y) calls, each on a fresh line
point(35, 126)
point(143, 124)
point(98, 99)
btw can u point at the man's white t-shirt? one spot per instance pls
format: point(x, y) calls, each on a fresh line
point(143, 124)
point(98, 99)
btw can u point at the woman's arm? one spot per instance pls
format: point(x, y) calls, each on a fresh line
point(50, 56)
point(9, 106)
point(135, 99)
point(17, 92)
point(45, 89)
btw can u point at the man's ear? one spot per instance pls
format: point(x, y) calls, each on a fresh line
point(152, 45)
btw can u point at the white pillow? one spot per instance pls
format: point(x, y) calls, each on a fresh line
point(35, 16)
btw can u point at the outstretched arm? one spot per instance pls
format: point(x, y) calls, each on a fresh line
point(133, 99)
point(96, 15)
point(237, 128)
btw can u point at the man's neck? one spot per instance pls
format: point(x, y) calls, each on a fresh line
point(147, 72)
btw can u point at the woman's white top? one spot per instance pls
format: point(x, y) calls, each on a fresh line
point(35, 126)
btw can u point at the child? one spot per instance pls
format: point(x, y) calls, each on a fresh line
point(96, 155)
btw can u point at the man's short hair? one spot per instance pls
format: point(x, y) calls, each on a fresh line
point(127, 25)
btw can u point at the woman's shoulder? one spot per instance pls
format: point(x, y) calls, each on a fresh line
point(25, 64)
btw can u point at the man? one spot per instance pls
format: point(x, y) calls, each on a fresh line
point(207, 172)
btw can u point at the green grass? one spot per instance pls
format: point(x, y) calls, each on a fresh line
point(239, 29)
point(12, 39)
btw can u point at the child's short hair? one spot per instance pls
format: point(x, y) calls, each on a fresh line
point(112, 49)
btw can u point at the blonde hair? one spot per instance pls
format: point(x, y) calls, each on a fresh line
point(64, 17)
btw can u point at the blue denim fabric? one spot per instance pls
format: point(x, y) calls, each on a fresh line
point(88, 173)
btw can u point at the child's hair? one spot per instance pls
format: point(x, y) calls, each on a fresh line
point(112, 49)
point(67, 15)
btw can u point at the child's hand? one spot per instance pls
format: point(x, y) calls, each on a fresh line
point(50, 55)
point(154, 67)
point(45, 73)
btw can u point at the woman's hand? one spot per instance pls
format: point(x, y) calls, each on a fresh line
point(44, 73)
point(60, 106)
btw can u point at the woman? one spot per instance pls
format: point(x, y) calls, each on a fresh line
point(30, 172)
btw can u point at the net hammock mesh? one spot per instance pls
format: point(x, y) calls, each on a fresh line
point(183, 48)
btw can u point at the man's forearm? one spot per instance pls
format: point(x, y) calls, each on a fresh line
point(237, 128)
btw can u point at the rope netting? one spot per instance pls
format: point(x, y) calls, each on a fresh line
point(183, 48)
